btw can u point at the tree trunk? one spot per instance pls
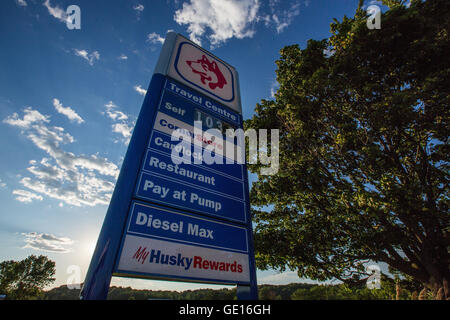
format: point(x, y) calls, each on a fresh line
point(440, 294)
point(423, 294)
point(398, 290)
point(439, 289)
point(446, 289)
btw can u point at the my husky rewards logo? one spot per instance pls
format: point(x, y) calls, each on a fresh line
point(208, 71)
point(197, 262)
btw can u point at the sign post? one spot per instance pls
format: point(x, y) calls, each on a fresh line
point(180, 210)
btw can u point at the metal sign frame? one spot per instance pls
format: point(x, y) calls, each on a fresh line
point(105, 260)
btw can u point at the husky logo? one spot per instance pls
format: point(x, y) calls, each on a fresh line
point(209, 72)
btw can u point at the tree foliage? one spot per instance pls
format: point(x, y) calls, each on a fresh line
point(364, 145)
point(25, 279)
point(294, 291)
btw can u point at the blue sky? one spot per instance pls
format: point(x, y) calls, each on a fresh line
point(69, 100)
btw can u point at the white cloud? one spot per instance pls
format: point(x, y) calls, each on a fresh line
point(139, 7)
point(75, 188)
point(379, 3)
point(124, 129)
point(21, 3)
point(121, 123)
point(140, 90)
point(223, 19)
point(273, 88)
point(26, 196)
point(155, 38)
point(122, 57)
point(89, 57)
point(31, 116)
point(67, 111)
point(56, 12)
point(328, 52)
point(47, 242)
point(79, 180)
point(82, 53)
point(281, 18)
point(113, 113)
point(2, 184)
point(374, 2)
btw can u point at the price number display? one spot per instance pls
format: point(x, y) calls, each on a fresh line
point(211, 122)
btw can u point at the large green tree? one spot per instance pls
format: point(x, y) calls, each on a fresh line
point(25, 279)
point(364, 150)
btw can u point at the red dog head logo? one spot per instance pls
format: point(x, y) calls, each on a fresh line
point(208, 71)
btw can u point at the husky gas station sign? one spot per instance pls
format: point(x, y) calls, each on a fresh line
point(180, 209)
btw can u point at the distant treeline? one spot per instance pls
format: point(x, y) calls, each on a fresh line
point(120, 293)
point(292, 291)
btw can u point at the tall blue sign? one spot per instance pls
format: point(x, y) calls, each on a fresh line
point(180, 208)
